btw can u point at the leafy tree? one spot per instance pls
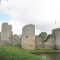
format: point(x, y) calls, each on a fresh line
point(43, 35)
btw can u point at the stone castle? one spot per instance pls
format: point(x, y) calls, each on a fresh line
point(28, 40)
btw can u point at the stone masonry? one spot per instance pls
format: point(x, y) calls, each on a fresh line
point(6, 34)
point(28, 40)
point(17, 40)
point(28, 37)
point(50, 42)
point(39, 42)
point(56, 33)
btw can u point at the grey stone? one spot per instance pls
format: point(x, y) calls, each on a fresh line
point(28, 37)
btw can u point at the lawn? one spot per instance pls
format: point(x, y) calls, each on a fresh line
point(16, 53)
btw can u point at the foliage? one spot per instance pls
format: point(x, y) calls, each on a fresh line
point(48, 37)
point(43, 35)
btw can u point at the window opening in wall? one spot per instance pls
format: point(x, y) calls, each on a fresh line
point(26, 36)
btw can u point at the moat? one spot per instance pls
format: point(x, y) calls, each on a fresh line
point(49, 56)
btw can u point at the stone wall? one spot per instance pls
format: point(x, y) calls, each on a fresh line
point(28, 37)
point(17, 40)
point(0, 37)
point(56, 33)
point(49, 43)
point(28, 40)
point(6, 34)
point(39, 42)
point(46, 44)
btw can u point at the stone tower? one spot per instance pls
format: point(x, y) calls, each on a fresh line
point(56, 33)
point(28, 37)
point(6, 34)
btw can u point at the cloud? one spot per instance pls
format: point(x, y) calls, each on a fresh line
point(0, 25)
point(41, 13)
point(16, 26)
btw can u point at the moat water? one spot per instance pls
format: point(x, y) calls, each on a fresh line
point(49, 56)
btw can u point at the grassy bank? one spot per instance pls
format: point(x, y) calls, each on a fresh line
point(16, 53)
point(44, 51)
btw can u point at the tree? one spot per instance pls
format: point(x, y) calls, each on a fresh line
point(43, 35)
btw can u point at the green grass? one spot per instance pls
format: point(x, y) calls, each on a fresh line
point(16, 53)
point(44, 51)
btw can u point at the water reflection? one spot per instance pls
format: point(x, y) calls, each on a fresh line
point(49, 56)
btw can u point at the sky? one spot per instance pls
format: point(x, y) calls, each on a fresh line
point(44, 14)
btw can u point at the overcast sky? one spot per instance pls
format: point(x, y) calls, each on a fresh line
point(44, 14)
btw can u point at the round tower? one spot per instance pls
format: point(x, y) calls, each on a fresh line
point(6, 33)
point(56, 33)
point(28, 37)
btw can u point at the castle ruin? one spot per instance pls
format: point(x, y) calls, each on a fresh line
point(56, 33)
point(28, 40)
point(28, 37)
point(6, 34)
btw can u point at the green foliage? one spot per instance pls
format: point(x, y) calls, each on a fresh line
point(16, 53)
point(48, 37)
point(43, 35)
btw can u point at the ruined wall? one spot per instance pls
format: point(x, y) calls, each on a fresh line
point(17, 40)
point(28, 40)
point(28, 37)
point(0, 37)
point(6, 34)
point(56, 33)
point(50, 42)
point(39, 42)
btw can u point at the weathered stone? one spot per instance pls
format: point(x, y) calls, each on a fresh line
point(17, 40)
point(56, 33)
point(28, 37)
point(28, 40)
point(49, 42)
point(0, 37)
point(39, 44)
point(6, 34)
